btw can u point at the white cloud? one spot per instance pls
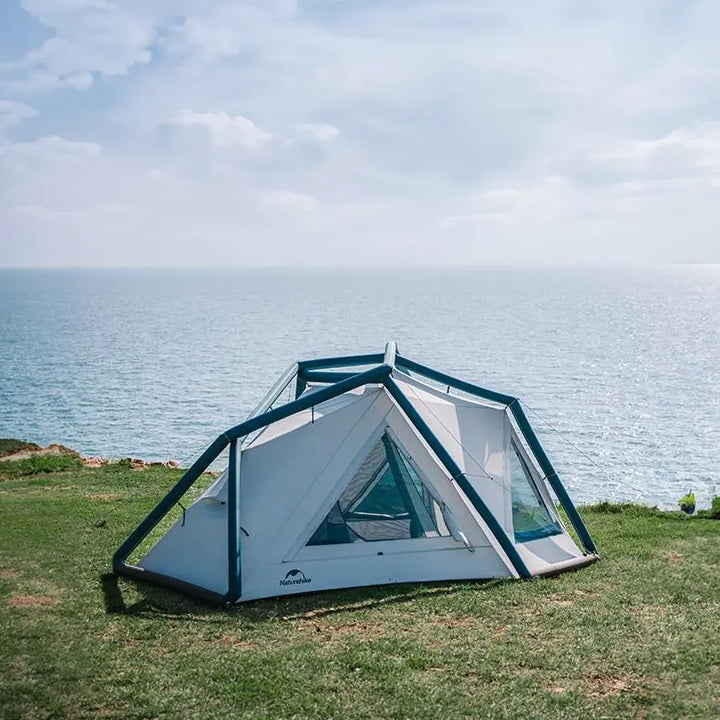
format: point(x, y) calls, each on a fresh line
point(362, 132)
point(320, 131)
point(683, 152)
point(52, 145)
point(88, 36)
point(13, 113)
point(287, 200)
point(224, 129)
point(529, 205)
point(216, 30)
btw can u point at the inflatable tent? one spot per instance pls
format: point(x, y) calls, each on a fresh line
point(380, 470)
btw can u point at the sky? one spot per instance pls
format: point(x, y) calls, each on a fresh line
point(361, 133)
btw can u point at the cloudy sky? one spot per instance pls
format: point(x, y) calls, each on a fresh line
point(321, 132)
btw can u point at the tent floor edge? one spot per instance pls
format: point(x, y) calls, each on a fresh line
point(171, 583)
point(569, 565)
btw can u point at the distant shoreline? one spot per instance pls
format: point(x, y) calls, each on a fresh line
point(12, 450)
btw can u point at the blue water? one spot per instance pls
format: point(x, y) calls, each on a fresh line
point(154, 363)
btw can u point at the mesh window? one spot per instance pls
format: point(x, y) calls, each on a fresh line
point(531, 518)
point(385, 500)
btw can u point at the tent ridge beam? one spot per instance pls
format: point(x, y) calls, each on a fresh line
point(342, 361)
point(306, 366)
point(454, 382)
point(326, 376)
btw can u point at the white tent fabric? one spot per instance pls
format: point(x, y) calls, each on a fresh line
point(293, 473)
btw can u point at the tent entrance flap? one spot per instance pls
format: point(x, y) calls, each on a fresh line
point(386, 499)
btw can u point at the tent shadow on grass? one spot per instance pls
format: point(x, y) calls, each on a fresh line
point(157, 602)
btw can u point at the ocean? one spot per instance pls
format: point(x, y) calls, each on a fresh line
point(619, 368)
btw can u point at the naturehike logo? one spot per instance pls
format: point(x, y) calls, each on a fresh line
point(295, 577)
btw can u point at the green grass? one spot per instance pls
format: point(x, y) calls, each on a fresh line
point(633, 636)
point(39, 465)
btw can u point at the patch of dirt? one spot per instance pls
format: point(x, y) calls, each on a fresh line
point(9, 574)
point(450, 621)
point(9, 446)
point(674, 558)
point(101, 496)
point(501, 632)
point(605, 686)
point(561, 602)
point(362, 630)
point(559, 689)
point(61, 450)
point(235, 642)
point(32, 601)
point(94, 462)
point(597, 686)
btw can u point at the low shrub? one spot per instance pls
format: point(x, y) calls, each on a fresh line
point(632, 509)
point(38, 464)
point(687, 503)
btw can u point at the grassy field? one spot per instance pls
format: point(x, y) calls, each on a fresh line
point(636, 635)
